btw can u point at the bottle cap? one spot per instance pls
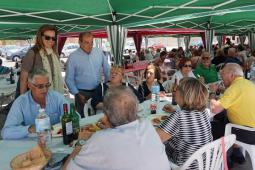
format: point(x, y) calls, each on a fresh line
point(41, 110)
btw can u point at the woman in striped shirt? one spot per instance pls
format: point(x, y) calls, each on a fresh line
point(187, 130)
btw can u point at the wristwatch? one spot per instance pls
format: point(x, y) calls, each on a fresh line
point(80, 142)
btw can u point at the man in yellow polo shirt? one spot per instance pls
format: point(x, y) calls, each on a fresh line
point(238, 100)
point(239, 97)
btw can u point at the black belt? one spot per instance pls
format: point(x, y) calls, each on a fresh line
point(86, 90)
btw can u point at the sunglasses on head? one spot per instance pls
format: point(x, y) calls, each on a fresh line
point(186, 65)
point(46, 37)
point(42, 86)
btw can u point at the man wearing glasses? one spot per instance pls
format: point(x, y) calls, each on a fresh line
point(205, 71)
point(84, 70)
point(21, 117)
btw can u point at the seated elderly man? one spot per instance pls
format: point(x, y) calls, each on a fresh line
point(127, 143)
point(20, 121)
point(206, 71)
point(238, 100)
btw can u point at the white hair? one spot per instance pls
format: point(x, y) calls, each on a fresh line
point(235, 69)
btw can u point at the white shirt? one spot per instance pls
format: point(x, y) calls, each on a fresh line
point(133, 146)
point(179, 76)
point(168, 84)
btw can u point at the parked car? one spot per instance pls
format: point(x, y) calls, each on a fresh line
point(7, 48)
point(68, 49)
point(17, 54)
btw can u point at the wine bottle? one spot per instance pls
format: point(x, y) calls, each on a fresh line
point(67, 126)
point(75, 121)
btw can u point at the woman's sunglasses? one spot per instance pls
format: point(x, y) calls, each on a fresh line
point(48, 38)
point(186, 65)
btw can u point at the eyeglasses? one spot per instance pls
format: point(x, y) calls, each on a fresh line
point(42, 86)
point(48, 38)
point(186, 65)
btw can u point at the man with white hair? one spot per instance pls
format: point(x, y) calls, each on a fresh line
point(127, 143)
point(238, 99)
point(20, 121)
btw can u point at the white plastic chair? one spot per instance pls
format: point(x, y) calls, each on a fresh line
point(210, 156)
point(245, 147)
point(88, 109)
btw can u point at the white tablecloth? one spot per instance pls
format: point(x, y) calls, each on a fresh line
point(10, 148)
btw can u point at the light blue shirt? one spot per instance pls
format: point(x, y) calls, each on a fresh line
point(135, 146)
point(24, 111)
point(84, 70)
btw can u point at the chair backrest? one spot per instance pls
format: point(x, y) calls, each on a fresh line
point(210, 156)
point(88, 109)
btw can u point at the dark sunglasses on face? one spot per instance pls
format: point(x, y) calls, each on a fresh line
point(46, 37)
point(42, 86)
point(186, 65)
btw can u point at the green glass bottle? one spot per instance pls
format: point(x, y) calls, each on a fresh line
point(75, 120)
point(67, 127)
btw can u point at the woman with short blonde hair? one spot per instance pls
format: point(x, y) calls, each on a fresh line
point(193, 94)
point(116, 80)
point(187, 130)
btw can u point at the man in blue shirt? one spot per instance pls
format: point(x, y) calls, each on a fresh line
point(20, 121)
point(84, 70)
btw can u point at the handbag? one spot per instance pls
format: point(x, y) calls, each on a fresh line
point(17, 93)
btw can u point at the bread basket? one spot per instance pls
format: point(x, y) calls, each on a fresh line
point(35, 159)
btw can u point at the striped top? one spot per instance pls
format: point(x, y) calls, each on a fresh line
point(189, 131)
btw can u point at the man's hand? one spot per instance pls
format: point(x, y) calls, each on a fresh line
point(85, 134)
point(215, 106)
point(81, 98)
point(104, 123)
point(213, 87)
point(31, 129)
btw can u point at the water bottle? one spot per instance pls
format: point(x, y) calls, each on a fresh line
point(43, 128)
point(155, 89)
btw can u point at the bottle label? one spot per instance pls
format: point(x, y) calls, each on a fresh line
point(69, 128)
point(155, 89)
point(42, 124)
point(153, 106)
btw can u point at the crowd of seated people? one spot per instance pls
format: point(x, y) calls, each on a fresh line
point(183, 132)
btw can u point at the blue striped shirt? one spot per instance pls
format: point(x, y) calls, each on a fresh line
point(84, 70)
